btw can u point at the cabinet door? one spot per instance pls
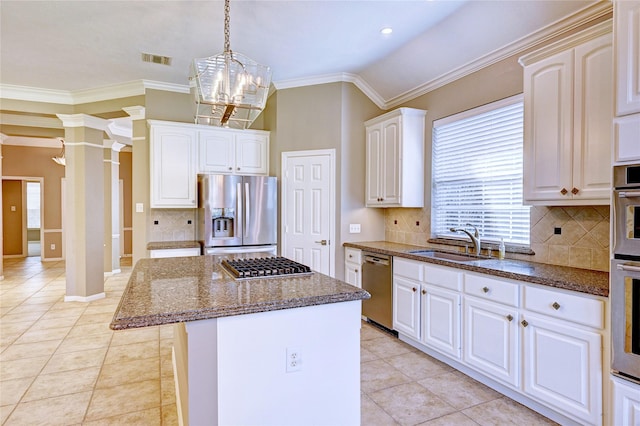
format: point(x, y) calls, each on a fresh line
point(548, 117)
point(563, 367)
point(353, 274)
point(593, 120)
point(491, 339)
point(374, 147)
point(173, 167)
point(406, 307)
point(627, 31)
point(216, 151)
point(390, 161)
point(252, 154)
point(626, 402)
point(626, 138)
point(441, 320)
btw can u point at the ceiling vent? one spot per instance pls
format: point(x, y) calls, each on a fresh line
point(156, 59)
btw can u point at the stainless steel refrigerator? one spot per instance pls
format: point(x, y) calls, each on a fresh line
point(237, 214)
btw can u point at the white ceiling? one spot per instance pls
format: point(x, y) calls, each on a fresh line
point(80, 45)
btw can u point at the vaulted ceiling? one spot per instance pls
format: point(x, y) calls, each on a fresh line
point(75, 46)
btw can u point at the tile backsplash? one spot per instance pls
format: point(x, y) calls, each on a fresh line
point(172, 225)
point(583, 241)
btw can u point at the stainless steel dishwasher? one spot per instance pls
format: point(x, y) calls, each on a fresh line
point(376, 279)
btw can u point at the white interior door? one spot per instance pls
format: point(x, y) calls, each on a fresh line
point(308, 208)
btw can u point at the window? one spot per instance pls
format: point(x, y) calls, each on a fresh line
point(33, 205)
point(477, 173)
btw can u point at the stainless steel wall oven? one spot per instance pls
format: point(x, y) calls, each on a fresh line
point(625, 273)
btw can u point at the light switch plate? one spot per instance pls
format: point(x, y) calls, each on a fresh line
point(139, 208)
point(354, 228)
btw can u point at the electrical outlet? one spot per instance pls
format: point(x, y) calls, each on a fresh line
point(53, 246)
point(354, 228)
point(294, 360)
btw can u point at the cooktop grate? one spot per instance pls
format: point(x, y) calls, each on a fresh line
point(262, 267)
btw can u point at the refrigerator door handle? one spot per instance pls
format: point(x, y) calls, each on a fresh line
point(238, 210)
point(247, 208)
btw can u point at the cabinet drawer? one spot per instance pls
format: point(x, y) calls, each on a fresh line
point(575, 308)
point(408, 268)
point(352, 255)
point(443, 277)
point(491, 289)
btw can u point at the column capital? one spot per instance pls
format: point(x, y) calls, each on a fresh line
point(83, 120)
point(113, 145)
point(136, 112)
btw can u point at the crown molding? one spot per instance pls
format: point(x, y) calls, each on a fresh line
point(83, 120)
point(135, 112)
point(344, 77)
point(31, 141)
point(103, 93)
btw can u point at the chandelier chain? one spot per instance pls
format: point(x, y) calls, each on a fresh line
point(227, 44)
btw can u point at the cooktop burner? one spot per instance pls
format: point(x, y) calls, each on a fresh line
point(262, 267)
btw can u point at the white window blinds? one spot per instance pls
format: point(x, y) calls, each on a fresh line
point(477, 173)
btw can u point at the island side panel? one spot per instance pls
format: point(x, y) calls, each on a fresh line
point(252, 385)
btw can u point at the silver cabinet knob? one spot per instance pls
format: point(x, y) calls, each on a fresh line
point(485, 289)
point(509, 317)
point(555, 306)
point(524, 323)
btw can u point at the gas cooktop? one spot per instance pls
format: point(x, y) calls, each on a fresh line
point(263, 267)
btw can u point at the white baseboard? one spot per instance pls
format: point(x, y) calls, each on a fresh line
point(85, 298)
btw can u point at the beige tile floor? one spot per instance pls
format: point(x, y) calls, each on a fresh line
point(60, 364)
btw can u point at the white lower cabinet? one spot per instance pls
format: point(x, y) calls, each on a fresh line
point(353, 266)
point(626, 402)
point(406, 306)
point(563, 367)
point(540, 342)
point(441, 319)
point(491, 339)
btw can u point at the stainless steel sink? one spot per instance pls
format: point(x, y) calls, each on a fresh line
point(455, 257)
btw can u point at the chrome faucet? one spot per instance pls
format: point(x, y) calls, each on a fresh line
point(475, 237)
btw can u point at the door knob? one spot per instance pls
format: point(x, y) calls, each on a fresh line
point(322, 242)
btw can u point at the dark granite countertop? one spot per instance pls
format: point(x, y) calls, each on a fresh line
point(179, 289)
point(581, 280)
point(167, 245)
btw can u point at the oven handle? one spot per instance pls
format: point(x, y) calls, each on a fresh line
point(629, 268)
point(629, 194)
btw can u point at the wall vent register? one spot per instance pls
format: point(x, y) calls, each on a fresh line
point(264, 267)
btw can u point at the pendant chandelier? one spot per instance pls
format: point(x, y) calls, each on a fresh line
point(230, 89)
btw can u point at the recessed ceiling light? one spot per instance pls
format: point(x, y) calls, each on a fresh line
point(386, 30)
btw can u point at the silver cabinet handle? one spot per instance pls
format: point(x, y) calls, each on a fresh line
point(555, 306)
point(629, 194)
point(322, 242)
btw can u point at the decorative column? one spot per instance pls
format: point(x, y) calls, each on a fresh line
point(2, 138)
point(140, 190)
point(112, 206)
point(83, 206)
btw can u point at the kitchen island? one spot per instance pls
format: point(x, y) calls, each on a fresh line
point(278, 350)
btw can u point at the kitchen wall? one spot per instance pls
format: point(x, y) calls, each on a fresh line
point(39, 164)
point(172, 225)
point(583, 242)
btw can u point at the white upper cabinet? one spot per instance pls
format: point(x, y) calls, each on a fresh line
point(627, 41)
point(395, 159)
point(568, 103)
point(173, 165)
point(229, 151)
point(626, 146)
